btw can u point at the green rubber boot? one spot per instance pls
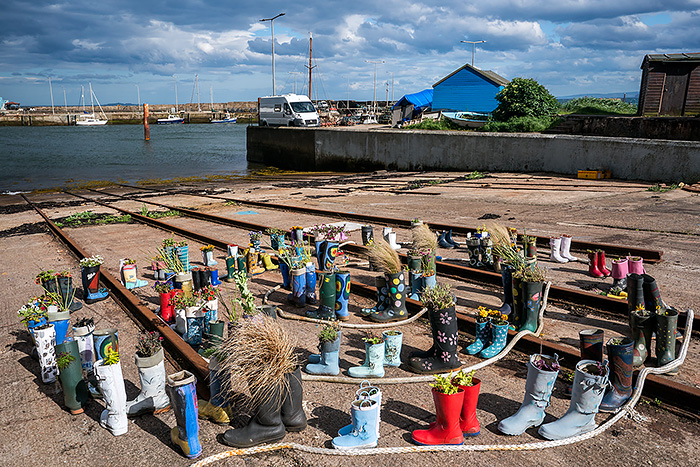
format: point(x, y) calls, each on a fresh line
point(326, 292)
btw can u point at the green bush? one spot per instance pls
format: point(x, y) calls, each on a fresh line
point(524, 97)
point(599, 106)
point(521, 124)
point(430, 124)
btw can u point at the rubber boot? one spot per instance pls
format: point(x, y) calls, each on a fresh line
point(565, 249)
point(385, 233)
point(474, 246)
point(367, 234)
point(75, 393)
point(666, 323)
point(392, 241)
point(267, 262)
point(183, 254)
point(65, 289)
point(373, 367)
point(538, 390)
point(593, 270)
point(61, 322)
point(183, 395)
point(330, 252)
point(292, 412)
point(531, 251)
point(264, 427)
point(516, 314)
point(601, 263)
point(195, 328)
point(587, 393)
point(635, 292)
point(382, 297)
point(365, 424)
point(444, 351)
point(450, 240)
point(327, 294)
point(442, 241)
point(166, 308)
point(507, 283)
point(252, 260)
point(486, 245)
point(416, 278)
point(329, 358)
point(130, 276)
point(620, 389)
point(642, 326)
point(320, 252)
point(591, 344)
point(111, 383)
point(482, 338)
point(86, 346)
point(428, 283)
point(196, 278)
point(241, 264)
point(396, 309)
point(45, 341)
point(298, 295)
point(216, 409)
point(392, 348)
point(310, 289)
point(636, 265)
point(286, 275)
point(208, 258)
point(366, 392)
point(447, 430)
point(152, 399)
point(619, 273)
point(652, 296)
point(214, 276)
point(106, 340)
point(92, 292)
point(342, 295)
point(532, 301)
point(555, 250)
point(499, 336)
point(468, 422)
point(230, 269)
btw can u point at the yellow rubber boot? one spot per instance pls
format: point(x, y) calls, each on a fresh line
point(267, 262)
point(213, 413)
point(253, 268)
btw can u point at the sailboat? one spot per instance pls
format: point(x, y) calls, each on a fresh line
point(227, 119)
point(174, 115)
point(89, 119)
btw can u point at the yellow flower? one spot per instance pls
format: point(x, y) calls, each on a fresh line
point(640, 307)
point(504, 317)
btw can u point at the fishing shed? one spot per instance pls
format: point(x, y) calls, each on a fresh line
point(411, 106)
point(468, 89)
point(670, 85)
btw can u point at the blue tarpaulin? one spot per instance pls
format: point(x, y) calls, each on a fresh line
point(421, 101)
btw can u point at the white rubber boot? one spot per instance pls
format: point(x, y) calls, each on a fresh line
point(45, 340)
point(565, 246)
point(392, 241)
point(111, 382)
point(554, 254)
point(385, 233)
point(152, 398)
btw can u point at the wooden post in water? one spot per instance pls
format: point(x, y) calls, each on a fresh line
point(146, 128)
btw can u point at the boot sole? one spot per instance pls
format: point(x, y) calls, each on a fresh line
point(392, 320)
point(296, 429)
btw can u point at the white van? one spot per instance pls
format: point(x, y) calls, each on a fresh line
point(287, 110)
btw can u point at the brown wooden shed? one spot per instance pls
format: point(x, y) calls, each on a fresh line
point(670, 85)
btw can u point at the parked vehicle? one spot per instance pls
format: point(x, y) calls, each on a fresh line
point(287, 110)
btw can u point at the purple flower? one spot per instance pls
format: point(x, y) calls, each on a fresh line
point(441, 336)
point(445, 318)
point(427, 365)
point(445, 357)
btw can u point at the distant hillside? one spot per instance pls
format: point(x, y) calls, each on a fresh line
point(632, 96)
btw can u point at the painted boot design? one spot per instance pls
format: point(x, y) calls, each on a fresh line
point(365, 425)
point(241, 263)
point(342, 295)
point(216, 409)
point(642, 324)
point(298, 295)
point(565, 249)
point(45, 341)
point(666, 323)
point(183, 255)
point(396, 311)
point(86, 346)
point(499, 336)
point(183, 394)
point(538, 390)
point(111, 383)
point(652, 296)
point(591, 344)
point(393, 341)
point(620, 389)
point(601, 263)
point(593, 270)
point(619, 274)
point(230, 268)
point(330, 252)
point(152, 398)
point(326, 297)
point(327, 363)
point(555, 250)
point(482, 338)
point(310, 289)
point(586, 394)
point(373, 367)
point(532, 301)
point(446, 430)
point(92, 292)
point(367, 234)
point(382, 297)
point(129, 273)
point(444, 351)
point(61, 322)
point(252, 262)
point(75, 393)
point(635, 292)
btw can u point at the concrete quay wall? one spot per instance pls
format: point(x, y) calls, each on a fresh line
point(363, 149)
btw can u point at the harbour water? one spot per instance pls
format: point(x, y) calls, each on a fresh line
point(46, 157)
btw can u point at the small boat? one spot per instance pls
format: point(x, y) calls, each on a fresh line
point(171, 118)
point(89, 119)
point(227, 119)
point(467, 119)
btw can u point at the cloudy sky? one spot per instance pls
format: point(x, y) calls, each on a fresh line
point(570, 46)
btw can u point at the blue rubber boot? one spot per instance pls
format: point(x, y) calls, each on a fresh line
point(532, 300)
point(217, 408)
point(620, 388)
point(330, 251)
point(450, 240)
point(195, 330)
point(374, 363)
point(416, 278)
point(183, 396)
point(382, 297)
point(392, 347)
point(342, 295)
point(366, 391)
point(499, 335)
point(214, 273)
point(586, 395)
point(183, 254)
point(428, 283)
point(507, 282)
point(442, 241)
point(365, 424)
point(320, 253)
point(538, 391)
point(61, 323)
point(482, 339)
point(298, 295)
point(310, 290)
point(286, 279)
point(328, 361)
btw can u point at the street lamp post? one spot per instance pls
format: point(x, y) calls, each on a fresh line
point(473, 43)
point(272, 30)
point(374, 96)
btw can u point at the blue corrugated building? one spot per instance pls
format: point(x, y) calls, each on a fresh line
point(468, 89)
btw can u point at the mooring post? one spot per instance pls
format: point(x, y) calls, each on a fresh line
point(146, 128)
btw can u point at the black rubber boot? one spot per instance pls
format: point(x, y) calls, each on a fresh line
point(196, 279)
point(652, 296)
point(444, 356)
point(635, 291)
point(442, 241)
point(431, 351)
point(396, 292)
point(264, 427)
point(667, 321)
point(367, 234)
point(293, 415)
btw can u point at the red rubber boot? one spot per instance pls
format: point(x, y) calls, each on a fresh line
point(468, 421)
point(601, 263)
point(593, 264)
point(447, 430)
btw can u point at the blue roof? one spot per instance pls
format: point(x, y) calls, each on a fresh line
point(421, 100)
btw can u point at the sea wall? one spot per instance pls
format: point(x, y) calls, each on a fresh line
point(358, 149)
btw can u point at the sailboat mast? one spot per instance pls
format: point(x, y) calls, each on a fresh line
point(310, 49)
point(92, 104)
point(82, 97)
point(199, 106)
point(211, 97)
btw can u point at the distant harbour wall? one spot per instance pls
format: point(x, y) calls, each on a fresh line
point(357, 149)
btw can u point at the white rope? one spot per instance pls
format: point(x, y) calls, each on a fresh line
point(627, 408)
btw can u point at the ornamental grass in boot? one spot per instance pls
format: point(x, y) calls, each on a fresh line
point(532, 281)
point(449, 400)
point(386, 260)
